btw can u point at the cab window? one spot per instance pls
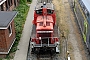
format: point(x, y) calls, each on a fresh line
point(39, 11)
point(49, 11)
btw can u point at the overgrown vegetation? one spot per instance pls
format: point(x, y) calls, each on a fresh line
point(29, 0)
point(19, 23)
point(23, 1)
point(0, 59)
point(22, 10)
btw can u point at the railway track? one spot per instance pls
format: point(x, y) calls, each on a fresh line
point(48, 56)
point(44, 57)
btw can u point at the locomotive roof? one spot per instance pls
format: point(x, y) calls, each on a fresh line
point(48, 6)
point(6, 18)
point(87, 4)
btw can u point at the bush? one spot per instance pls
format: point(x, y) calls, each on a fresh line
point(23, 1)
point(29, 0)
point(19, 23)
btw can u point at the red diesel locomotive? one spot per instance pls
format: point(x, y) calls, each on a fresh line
point(44, 35)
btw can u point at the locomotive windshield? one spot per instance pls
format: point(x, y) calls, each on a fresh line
point(39, 11)
point(49, 11)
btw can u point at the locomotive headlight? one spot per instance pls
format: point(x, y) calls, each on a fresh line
point(57, 43)
point(39, 38)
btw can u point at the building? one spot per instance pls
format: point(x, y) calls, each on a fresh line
point(7, 31)
point(8, 5)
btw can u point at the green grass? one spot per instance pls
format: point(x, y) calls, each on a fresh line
point(29, 1)
point(0, 59)
point(19, 23)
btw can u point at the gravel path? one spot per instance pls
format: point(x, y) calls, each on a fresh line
point(66, 21)
point(21, 54)
point(72, 35)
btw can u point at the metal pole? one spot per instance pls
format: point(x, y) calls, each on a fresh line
point(48, 41)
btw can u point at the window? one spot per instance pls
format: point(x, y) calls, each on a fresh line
point(39, 11)
point(10, 30)
point(49, 11)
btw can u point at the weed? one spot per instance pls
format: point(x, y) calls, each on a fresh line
point(0, 59)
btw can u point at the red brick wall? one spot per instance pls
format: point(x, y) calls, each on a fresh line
point(5, 40)
point(10, 39)
point(2, 41)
